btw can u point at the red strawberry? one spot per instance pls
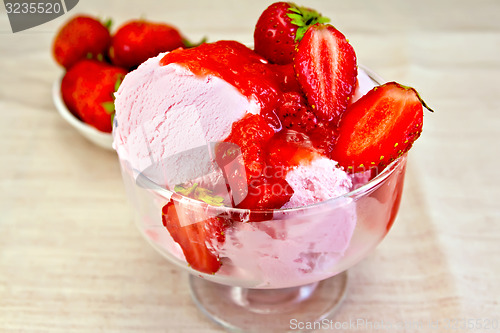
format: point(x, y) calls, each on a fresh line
point(137, 41)
point(68, 87)
point(324, 137)
point(195, 238)
point(280, 27)
point(230, 160)
point(80, 38)
point(266, 193)
point(261, 187)
point(326, 68)
point(294, 113)
point(286, 77)
point(288, 149)
point(250, 134)
point(379, 127)
point(87, 89)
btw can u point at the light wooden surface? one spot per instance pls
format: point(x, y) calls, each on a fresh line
point(71, 259)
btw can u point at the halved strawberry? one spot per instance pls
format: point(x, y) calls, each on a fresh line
point(326, 69)
point(195, 238)
point(379, 127)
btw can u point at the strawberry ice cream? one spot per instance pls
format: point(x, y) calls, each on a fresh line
point(316, 181)
point(264, 173)
point(169, 119)
point(166, 110)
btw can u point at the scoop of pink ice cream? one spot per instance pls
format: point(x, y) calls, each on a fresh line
point(163, 111)
point(316, 181)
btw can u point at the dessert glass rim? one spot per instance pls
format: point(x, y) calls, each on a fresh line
point(366, 188)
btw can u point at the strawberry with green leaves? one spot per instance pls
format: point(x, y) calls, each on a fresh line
point(87, 89)
point(379, 127)
point(82, 37)
point(280, 27)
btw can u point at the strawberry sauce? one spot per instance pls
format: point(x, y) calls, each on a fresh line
point(234, 63)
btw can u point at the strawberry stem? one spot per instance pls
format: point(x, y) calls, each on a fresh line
point(109, 107)
point(187, 43)
point(303, 18)
point(418, 96)
point(108, 23)
point(423, 102)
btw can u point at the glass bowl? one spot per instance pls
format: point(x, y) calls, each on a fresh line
point(277, 266)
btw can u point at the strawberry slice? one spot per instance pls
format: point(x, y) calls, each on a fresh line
point(326, 69)
point(196, 238)
point(379, 127)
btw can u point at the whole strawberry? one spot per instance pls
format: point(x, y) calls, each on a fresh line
point(280, 27)
point(81, 37)
point(139, 40)
point(87, 89)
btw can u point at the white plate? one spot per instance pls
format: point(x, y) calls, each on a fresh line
point(104, 140)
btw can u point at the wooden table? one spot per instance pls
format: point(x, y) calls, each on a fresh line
point(71, 259)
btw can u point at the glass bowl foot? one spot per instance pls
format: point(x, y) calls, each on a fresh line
point(268, 310)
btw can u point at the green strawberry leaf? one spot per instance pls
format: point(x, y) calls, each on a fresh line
point(118, 82)
point(300, 33)
point(108, 23)
point(303, 18)
point(188, 44)
point(186, 191)
point(207, 196)
point(323, 19)
point(200, 193)
point(297, 19)
point(109, 107)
